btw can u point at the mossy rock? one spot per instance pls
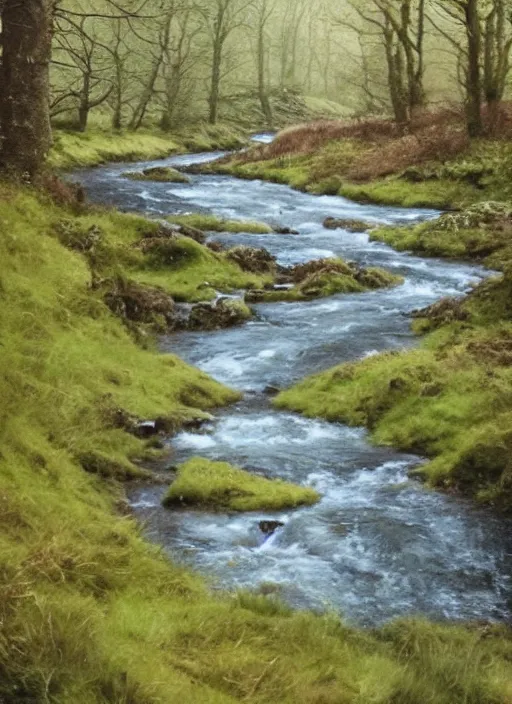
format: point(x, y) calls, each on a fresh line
point(220, 486)
point(141, 304)
point(253, 259)
point(224, 313)
point(159, 174)
point(349, 225)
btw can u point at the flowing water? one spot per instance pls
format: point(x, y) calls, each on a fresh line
point(377, 545)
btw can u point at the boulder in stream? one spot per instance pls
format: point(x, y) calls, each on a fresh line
point(270, 527)
point(223, 313)
point(158, 174)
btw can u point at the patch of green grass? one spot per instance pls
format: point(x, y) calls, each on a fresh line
point(212, 223)
point(74, 149)
point(220, 486)
point(481, 171)
point(192, 272)
point(396, 191)
point(327, 277)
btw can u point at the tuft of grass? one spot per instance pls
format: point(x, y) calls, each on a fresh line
point(220, 486)
point(211, 223)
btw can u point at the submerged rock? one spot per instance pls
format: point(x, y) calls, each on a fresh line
point(285, 231)
point(270, 527)
point(348, 224)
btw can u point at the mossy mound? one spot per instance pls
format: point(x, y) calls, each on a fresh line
point(321, 278)
point(220, 486)
point(158, 174)
point(211, 223)
point(482, 231)
point(137, 303)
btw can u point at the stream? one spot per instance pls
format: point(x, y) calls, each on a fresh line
point(378, 545)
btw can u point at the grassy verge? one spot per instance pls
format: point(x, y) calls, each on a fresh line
point(73, 149)
point(89, 611)
point(220, 486)
point(481, 232)
point(433, 166)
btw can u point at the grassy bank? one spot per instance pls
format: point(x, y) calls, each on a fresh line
point(434, 165)
point(74, 149)
point(451, 399)
point(89, 611)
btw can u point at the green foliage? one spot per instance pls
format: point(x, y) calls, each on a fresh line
point(221, 486)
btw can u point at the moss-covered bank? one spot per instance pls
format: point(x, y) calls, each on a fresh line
point(75, 149)
point(436, 168)
point(89, 611)
point(220, 486)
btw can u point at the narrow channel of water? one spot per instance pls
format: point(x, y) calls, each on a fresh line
point(377, 545)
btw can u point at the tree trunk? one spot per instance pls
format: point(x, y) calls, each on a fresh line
point(262, 91)
point(213, 99)
point(474, 79)
point(24, 102)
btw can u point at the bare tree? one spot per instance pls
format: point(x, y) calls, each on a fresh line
point(221, 18)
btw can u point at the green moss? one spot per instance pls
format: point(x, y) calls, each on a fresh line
point(326, 277)
point(221, 486)
point(396, 191)
point(159, 174)
point(191, 272)
point(72, 149)
point(211, 223)
point(95, 146)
